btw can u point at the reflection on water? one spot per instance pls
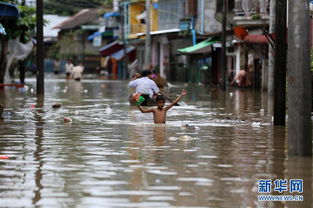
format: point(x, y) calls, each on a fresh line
point(210, 153)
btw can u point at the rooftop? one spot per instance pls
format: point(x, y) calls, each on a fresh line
point(80, 18)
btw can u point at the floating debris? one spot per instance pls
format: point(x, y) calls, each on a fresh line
point(56, 105)
point(67, 120)
point(4, 157)
point(108, 109)
point(184, 138)
point(256, 124)
point(189, 127)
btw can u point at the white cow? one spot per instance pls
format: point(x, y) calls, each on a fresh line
point(17, 51)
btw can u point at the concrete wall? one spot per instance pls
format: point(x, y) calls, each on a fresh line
point(170, 13)
point(206, 21)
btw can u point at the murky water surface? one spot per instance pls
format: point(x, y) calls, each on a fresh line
point(117, 157)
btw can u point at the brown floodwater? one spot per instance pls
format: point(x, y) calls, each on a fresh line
point(211, 153)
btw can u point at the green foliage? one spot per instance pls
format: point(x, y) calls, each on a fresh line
point(256, 16)
point(67, 42)
point(53, 52)
point(70, 7)
point(25, 23)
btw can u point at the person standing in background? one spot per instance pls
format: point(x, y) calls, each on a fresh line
point(77, 72)
point(56, 66)
point(68, 68)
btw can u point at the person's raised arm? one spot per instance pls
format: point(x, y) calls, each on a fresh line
point(144, 110)
point(135, 76)
point(183, 93)
point(133, 81)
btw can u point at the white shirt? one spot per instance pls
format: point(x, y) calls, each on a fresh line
point(77, 72)
point(69, 67)
point(144, 85)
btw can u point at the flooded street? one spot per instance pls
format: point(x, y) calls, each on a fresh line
point(211, 153)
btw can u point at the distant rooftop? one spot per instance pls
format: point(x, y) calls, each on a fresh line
point(80, 18)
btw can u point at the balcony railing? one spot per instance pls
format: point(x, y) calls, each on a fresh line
point(252, 8)
point(251, 12)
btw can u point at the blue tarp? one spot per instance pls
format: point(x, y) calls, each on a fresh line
point(95, 34)
point(111, 14)
point(104, 34)
point(8, 10)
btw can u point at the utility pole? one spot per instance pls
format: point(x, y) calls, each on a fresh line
point(271, 59)
point(40, 48)
point(125, 58)
point(148, 36)
point(223, 59)
point(280, 63)
point(299, 80)
point(22, 63)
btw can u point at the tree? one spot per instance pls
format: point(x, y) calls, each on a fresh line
point(70, 7)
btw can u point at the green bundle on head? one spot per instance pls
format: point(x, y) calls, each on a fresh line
point(140, 100)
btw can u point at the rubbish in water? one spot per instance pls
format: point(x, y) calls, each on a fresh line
point(256, 124)
point(184, 138)
point(32, 106)
point(56, 105)
point(67, 120)
point(188, 126)
point(184, 125)
point(108, 109)
point(4, 157)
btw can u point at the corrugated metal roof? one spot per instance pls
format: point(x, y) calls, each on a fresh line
point(82, 17)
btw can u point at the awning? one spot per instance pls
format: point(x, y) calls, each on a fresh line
point(90, 27)
point(120, 54)
point(110, 48)
point(261, 39)
point(111, 14)
point(95, 34)
point(8, 10)
point(202, 47)
point(157, 32)
point(256, 39)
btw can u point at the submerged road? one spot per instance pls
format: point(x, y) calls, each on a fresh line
point(211, 153)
